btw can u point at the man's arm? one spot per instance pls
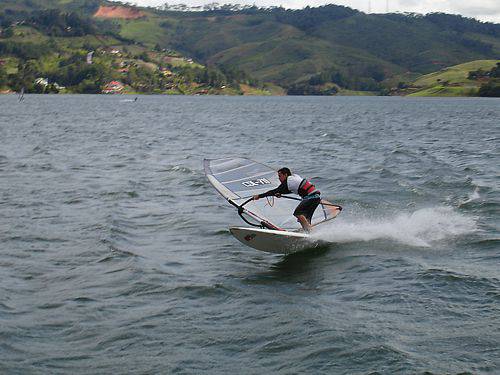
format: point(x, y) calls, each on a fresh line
point(282, 189)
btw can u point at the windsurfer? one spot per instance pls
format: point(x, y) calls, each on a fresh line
point(293, 183)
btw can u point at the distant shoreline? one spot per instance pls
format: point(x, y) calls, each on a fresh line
point(227, 95)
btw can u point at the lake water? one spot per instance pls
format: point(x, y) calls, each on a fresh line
point(116, 255)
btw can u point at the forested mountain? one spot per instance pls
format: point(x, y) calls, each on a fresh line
point(310, 51)
point(351, 48)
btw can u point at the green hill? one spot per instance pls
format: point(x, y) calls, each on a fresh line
point(451, 81)
point(322, 50)
point(47, 50)
point(371, 52)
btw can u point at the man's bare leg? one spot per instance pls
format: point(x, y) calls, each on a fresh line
point(305, 224)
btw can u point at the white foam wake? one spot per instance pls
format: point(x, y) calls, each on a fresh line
point(420, 228)
point(473, 196)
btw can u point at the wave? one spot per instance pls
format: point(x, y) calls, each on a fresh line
point(474, 196)
point(422, 228)
point(179, 169)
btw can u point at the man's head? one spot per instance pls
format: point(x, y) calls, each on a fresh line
point(283, 173)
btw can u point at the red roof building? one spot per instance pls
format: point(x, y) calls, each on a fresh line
point(113, 87)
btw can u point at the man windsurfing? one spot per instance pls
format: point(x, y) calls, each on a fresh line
point(293, 183)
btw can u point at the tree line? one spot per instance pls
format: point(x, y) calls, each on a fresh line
point(491, 88)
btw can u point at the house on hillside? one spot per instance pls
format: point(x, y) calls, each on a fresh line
point(90, 56)
point(52, 87)
point(113, 87)
point(42, 82)
point(111, 50)
point(166, 73)
point(58, 86)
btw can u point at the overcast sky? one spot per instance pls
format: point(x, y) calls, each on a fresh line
point(485, 10)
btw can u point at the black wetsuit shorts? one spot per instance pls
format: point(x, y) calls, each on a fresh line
point(308, 206)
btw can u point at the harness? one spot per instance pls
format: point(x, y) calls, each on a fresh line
point(306, 188)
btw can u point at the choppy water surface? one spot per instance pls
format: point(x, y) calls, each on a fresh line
point(116, 258)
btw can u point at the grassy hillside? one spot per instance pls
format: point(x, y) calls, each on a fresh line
point(451, 81)
point(372, 52)
point(321, 50)
point(62, 62)
point(455, 74)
